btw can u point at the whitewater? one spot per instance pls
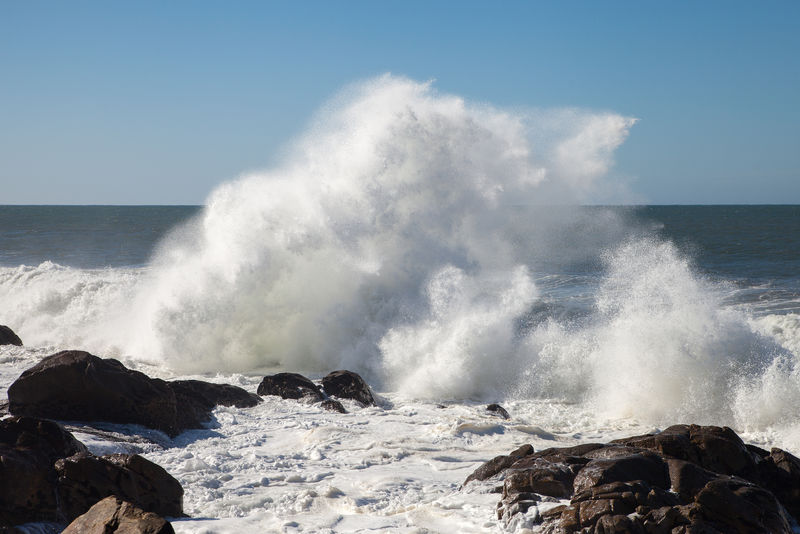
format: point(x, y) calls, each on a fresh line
point(443, 250)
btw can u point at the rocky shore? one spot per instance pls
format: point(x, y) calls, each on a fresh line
point(683, 479)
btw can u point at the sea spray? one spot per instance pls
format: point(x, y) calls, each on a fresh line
point(660, 347)
point(330, 259)
point(431, 245)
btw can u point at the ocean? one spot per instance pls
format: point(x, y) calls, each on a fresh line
point(437, 250)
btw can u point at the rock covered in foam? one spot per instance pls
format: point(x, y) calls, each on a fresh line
point(348, 385)
point(8, 337)
point(687, 478)
point(113, 515)
point(499, 410)
point(78, 386)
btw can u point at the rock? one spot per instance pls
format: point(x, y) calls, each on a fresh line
point(78, 386)
point(84, 479)
point(8, 337)
point(779, 472)
point(735, 505)
point(717, 449)
point(536, 475)
point(333, 406)
point(196, 400)
point(649, 468)
point(28, 449)
point(499, 410)
point(113, 515)
point(687, 479)
point(290, 386)
point(498, 464)
point(348, 385)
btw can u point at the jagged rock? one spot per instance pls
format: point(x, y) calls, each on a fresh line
point(736, 505)
point(290, 386)
point(779, 472)
point(687, 479)
point(115, 516)
point(84, 479)
point(536, 475)
point(649, 468)
point(28, 449)
point(498, 464)
point(196, 400)
point(8, 337)
point(499, 410)
point(717, 449)
point(348, 385)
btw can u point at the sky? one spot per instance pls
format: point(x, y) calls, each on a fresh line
point(157, 102)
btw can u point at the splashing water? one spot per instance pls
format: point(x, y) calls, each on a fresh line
point(414, 237)
point(397, 197)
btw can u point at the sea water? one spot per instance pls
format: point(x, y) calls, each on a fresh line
point(445, 251)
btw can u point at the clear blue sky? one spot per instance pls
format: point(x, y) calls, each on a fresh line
point(143, 102)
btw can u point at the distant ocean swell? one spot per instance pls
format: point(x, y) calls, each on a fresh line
point(391, 242)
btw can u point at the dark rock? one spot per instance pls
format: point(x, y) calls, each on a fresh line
point(717, 449)
point(348, 385)
point(498, 464)
point(333, 405)
point(113, 515)
point(780, 473)
point(648, 467)
point(687, 479)
point(28, 449)
point(196, 400)
point(536, 475)
point(84, 479)
point(499, 410)
point(8, 337)
point(77, 386)
point(290, 386)
point(736, 505)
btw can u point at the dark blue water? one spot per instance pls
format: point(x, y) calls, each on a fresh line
point(754, 248)
point(85, 236)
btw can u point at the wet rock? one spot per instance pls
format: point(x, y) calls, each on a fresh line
point(290, 386)
point(649, 468)
point(779, 472)
point(8, 337)
point(499, 410)
point(28, 449)
point(735, 505)
point(196, 400)
point(717, 449)
point(78, 386)
point(688, 479)
point(84, 479)
point(498, 464)
point(115, 516)
point(539, 476)
point(348, 385)
point(333, 406)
